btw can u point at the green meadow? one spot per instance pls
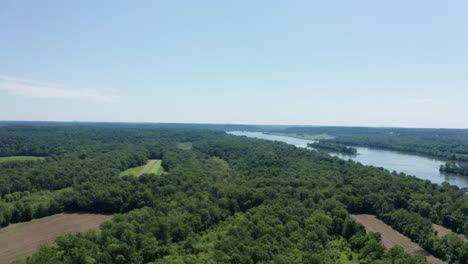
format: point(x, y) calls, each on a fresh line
point(184, 146)
point(151, 167)
point(21, 158)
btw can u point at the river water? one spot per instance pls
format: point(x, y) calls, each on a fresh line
point(420, 166)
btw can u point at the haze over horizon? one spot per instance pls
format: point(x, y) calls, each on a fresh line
point(337, 63)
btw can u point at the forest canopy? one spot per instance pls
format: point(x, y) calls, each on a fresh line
point(226, 199)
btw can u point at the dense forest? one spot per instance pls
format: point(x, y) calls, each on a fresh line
point(227, 199)
point(333, 147)
point(449, 144)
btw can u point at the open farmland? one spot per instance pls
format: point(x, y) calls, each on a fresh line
point(22, 239)
point(391, 237)
point(152, 166)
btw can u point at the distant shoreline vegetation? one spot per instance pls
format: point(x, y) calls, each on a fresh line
point(455, 168)
point(301, 136)
point(333, 147)
point(447, 144)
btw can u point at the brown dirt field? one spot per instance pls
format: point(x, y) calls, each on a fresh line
point(22, 239)
point(442, 231)
point(391, 237)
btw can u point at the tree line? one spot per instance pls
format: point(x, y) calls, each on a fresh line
point(333, 147)
point(448, 144)
point(455, 168)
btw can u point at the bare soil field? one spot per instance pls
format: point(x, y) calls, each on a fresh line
point(391, 237)
point(442, 231)
point(22, 239)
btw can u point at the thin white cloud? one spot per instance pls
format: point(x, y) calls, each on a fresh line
point(36, 89)
point(422, 100)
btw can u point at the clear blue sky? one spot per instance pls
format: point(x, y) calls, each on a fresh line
point(367, 63)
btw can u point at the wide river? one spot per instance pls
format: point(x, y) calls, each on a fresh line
point(420, 166)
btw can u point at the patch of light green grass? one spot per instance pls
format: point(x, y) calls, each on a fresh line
point(132, 171)
point(184, 146)
point(151, 167)
point(157, 168)
point(21, 158)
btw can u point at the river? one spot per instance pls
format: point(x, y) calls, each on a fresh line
point(420, 166)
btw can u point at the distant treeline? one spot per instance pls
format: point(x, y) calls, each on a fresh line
point(187, 126)
point(330, 146)
point(449, 144)
point(454, 168)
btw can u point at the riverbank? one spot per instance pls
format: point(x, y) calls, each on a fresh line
point(422, 167)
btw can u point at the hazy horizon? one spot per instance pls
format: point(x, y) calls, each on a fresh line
point(220, 124)
point(321, 63)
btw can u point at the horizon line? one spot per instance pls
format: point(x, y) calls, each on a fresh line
point(229, 124)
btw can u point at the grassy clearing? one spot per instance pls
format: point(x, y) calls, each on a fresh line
point(303, 136)
point(22, 239)
point(21, 158)
point(132, 171)
point(152, 166)
point(390, 237)
point(184, 146)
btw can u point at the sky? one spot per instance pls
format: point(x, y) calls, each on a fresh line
point(347, 63)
